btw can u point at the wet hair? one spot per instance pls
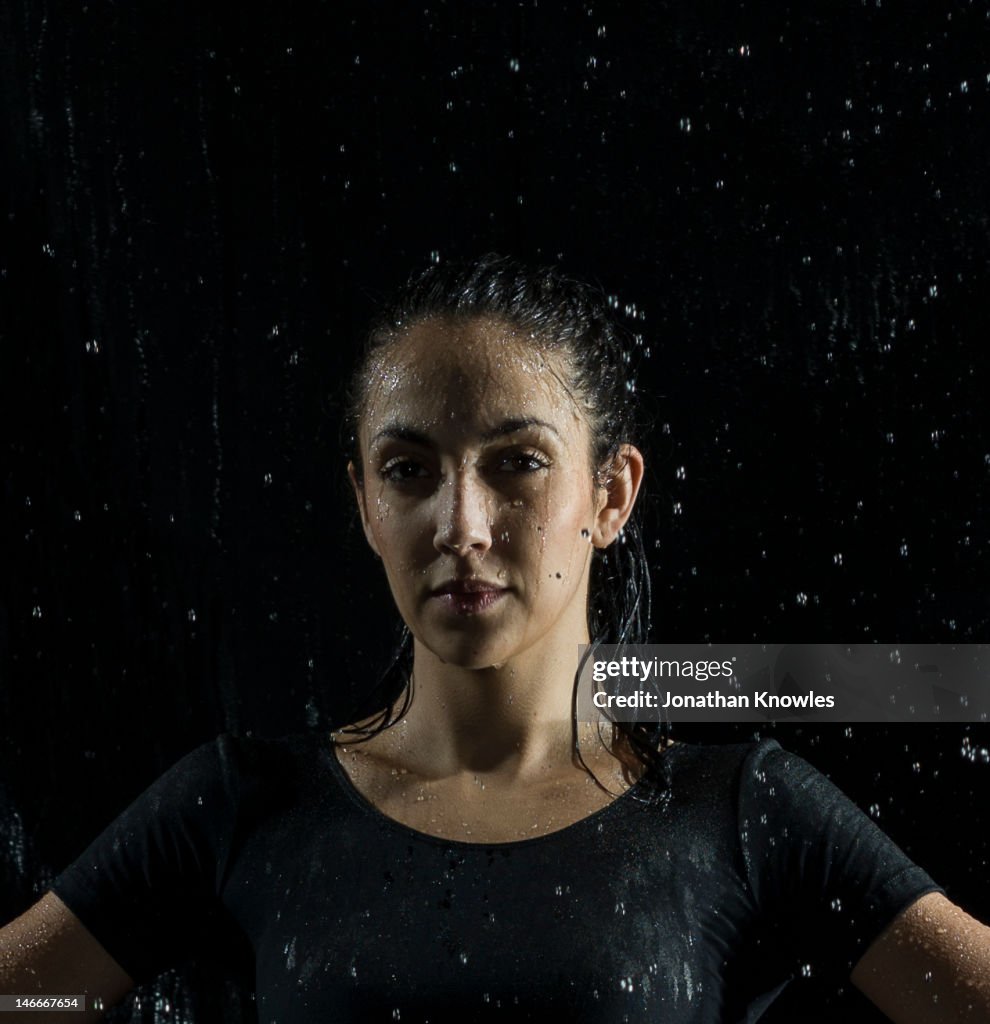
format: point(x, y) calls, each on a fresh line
point(573, 319)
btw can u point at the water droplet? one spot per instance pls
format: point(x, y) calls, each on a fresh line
point(514, 65)
point(685, 125)
point(191, 615)
point(268, 479)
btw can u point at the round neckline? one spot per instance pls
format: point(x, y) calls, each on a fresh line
point(369, 809)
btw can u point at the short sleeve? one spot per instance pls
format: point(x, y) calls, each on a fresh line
point(147, 886)
point(819, 869)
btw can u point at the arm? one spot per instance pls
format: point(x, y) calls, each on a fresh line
point(48, 951)
point(931, 965)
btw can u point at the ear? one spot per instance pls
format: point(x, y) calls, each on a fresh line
point(362, 506)
point(617, 494)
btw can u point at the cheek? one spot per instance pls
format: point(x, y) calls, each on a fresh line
point(559, 529)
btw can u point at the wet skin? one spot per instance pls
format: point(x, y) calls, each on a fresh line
point(479, 496)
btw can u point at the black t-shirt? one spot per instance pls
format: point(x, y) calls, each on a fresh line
point(697, 911)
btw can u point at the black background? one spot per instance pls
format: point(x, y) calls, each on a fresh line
point(203, 205)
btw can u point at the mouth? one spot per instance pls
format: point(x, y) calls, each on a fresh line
point(468, 597)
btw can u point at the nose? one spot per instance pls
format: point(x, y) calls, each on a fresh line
point(463, 525)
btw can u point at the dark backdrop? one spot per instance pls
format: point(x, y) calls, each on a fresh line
point(204, 203)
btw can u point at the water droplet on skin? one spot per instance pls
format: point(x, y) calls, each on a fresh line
point(587, 533)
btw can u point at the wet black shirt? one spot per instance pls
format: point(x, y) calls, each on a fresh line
point(757, 869)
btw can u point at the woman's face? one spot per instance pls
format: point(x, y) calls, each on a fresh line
point(477, 490)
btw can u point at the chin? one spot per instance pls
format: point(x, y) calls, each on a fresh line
point(464, 654)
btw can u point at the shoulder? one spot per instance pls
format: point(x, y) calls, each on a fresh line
point(250, 757)
point(725, 765)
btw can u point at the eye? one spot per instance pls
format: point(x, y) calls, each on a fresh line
point(524, 461)
point(401, 470)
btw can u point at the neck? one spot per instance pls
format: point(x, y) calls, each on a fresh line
point(513, 719)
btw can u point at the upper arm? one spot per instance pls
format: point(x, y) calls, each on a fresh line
point(932, 964)
point(48, 951)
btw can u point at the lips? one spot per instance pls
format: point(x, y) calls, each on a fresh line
point(469, 596)
point(468, 586)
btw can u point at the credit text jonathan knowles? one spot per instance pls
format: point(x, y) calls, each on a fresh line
point(645, 669)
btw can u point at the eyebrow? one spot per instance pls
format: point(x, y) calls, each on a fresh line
point(402, 432)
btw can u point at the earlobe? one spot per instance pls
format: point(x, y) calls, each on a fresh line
point(362, 508)
point(622, 481)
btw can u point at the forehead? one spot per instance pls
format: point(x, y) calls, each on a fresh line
point(467, 371)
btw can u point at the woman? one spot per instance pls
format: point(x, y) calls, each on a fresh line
point(468, 851)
